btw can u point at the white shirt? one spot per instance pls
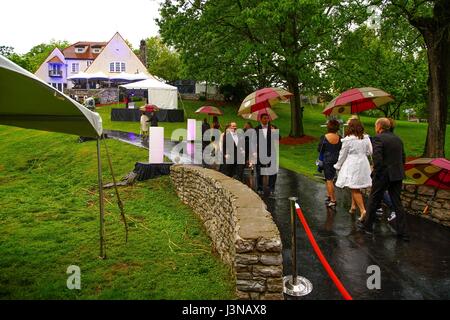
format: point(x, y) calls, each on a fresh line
point(264, 129)
point(235, 137)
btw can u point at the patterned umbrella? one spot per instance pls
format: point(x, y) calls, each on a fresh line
point(209, 110)
point(262, 99)
point(357, 100)
point(256, 116)
point(149, 108)
point(434, 172)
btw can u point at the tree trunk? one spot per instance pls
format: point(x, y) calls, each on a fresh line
point(438, 65)
point(297, 129)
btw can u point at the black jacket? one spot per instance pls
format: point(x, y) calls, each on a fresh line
point(236, 149)
point(388, 157)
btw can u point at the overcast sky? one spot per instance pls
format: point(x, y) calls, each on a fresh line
point(26, 23)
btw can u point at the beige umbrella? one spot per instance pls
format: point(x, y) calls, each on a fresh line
point(357, 100)
point(263, 99)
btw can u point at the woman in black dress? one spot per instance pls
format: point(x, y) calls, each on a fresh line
point(330, 145)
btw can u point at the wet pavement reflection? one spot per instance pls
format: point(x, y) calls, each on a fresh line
point(419, 269)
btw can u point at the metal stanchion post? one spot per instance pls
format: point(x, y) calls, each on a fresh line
point(295, 285)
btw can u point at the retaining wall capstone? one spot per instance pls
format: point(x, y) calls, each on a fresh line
point(240, 227)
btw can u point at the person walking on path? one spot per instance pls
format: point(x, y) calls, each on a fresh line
point(264, 142)
point(330, 145)
point(234, 152)
point(388, 173)
point(353, 164)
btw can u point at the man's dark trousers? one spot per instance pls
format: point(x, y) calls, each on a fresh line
point(379, 186)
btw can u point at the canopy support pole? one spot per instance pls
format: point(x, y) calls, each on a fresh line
point(101, 202)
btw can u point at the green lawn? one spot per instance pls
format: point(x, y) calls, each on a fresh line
point(300, 158)
point(49, 220)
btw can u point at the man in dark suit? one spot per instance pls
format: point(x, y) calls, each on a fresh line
point(233, 146)
point(264, 138)
point(388, 173)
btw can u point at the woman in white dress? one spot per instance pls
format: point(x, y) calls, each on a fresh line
point(353, 164)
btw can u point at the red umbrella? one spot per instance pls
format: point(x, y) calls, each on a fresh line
point(263, 98)
point(434, 172)
point(357, 100)
point(149, 108)
point(209, 110)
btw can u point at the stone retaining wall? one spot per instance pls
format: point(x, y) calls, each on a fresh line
point(415, 198)
point(242, 230)
point(106, 95)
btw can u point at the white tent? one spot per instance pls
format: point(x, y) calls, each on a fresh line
point(160, 94)
point(28, 102)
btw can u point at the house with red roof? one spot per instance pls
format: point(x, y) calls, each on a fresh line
point(90, 65)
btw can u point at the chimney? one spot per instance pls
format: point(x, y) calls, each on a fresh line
point(143, 53)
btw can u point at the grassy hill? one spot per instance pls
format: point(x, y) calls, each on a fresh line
point(49, 221)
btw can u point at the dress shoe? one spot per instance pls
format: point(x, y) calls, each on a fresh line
point(403, 237)
point(361, 227)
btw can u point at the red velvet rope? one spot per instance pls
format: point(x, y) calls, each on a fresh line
point(322, 258)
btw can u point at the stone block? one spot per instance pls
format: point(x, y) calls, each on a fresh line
point(271, 260)
point(418, 205)
point(441, 214)
point(275, 285)
point(436, 205)
point(425, 190)
point(410, 188)
point(251, 285)
point(272, 296)
point(243, 245)
point(255, 296)
point(443, 194)
point(241, 295)
point(243, 268)
point(246, 259)
point(268, 271)
point(269, 245)
point(244, 276)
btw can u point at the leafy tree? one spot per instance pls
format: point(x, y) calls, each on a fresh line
point(367, 57)
point(6, 51)
point(430, 19)
point(162, 61)
point(267, 41)
point(20, 60)
point(37, 55)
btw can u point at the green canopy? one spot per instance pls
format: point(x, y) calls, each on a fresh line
point(28, 102)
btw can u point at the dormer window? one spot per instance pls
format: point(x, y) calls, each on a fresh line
point(80, 49)
point(117, 66)
point(96, 50)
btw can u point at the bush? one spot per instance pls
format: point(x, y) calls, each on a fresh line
point(136, 99)
point(202, 98)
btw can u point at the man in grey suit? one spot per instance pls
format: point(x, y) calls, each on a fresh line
point(388, 173)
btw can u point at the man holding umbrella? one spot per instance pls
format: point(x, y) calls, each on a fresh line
point(388, 173)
